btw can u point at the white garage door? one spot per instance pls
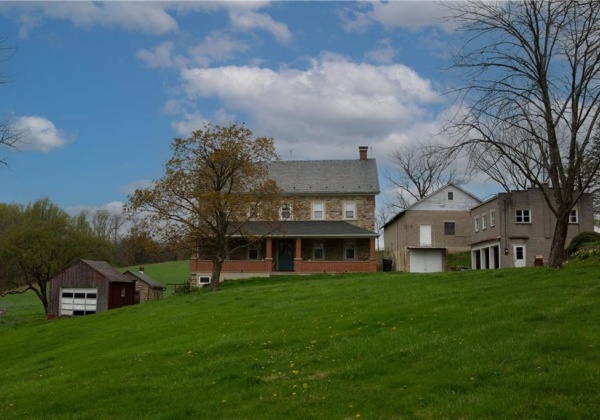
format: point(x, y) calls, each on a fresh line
point(78, 301)
point(425, 261)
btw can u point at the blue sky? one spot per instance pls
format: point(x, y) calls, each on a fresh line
point(101, 88)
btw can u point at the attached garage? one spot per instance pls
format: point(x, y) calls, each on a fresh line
point(426, 260)
point(87, 287)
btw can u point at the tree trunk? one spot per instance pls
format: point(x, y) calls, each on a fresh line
point(559, 239)
point(216, 273)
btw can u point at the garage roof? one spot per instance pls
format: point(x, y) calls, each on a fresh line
point(307, 229)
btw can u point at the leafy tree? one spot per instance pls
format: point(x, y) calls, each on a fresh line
point(39, 240)
point(211, 187)
point(529, 104)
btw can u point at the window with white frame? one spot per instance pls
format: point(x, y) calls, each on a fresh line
point(253, 211)
point(203, 280)
point(285, 212)
point(318, 210)
point(484, 221)
point(492, 218)
point(318, 250)
point(523, 216)
point(350, 250)
point(574, 216)
point(349, 210)
point(476, 223)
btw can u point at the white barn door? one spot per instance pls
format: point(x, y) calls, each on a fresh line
point(425, 235)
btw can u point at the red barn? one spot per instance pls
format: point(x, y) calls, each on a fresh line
point(87, 287)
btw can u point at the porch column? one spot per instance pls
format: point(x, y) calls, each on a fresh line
point(298, 249)
point(269, 254)
point(372, 255)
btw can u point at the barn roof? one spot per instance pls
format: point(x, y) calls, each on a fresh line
point(108, 271)
point(148, 280)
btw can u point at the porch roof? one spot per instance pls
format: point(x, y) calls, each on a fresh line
point(307, 229)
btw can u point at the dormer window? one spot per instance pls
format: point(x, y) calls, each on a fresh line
point(450, 195)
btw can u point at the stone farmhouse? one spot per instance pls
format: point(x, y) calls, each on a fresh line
point(419, 237)
point(515, 229)
point(333, 232)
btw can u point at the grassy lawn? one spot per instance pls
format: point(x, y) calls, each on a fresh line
point(521, 343)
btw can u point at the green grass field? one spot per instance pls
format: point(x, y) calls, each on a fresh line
point(519, 343)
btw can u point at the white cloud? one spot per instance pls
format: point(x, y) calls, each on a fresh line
point(410, 15)
point(149, 17)
point(217, 47)
point(248, 20)
point(130, 188)
point(190, 122)
point(161, 56)
point(384, 53)
point(37, 134)
point(331, 103)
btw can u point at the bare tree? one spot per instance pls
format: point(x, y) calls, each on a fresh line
point(116, 222)
point(101, 224)
point(8, 137)
point(530, 98)
point(419, 171)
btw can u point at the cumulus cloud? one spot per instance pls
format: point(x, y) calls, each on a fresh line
point(189, 123)
point(130, 188)
point(248, 20)
point(160, 57)
point(384, 53)
point(333, 102)
point(410, 15)
point(37, 134)
point(149, 17)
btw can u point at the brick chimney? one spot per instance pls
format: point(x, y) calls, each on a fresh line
point(362, 152)
point(141, 269)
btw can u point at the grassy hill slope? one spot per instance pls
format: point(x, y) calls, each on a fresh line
point(507, 343)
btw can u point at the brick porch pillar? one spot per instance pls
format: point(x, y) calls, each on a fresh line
point(298, 250)
point(372, 250)
point(269, 254)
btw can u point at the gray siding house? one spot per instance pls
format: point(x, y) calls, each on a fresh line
point(512, 229)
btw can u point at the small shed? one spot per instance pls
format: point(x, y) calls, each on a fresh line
point(87, 287)
point(146, 288)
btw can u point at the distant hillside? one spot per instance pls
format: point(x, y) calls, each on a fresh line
point(518, 343)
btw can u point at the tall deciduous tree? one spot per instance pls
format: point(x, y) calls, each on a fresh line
point(211, 187)
point(39, 240)
point(530, 98)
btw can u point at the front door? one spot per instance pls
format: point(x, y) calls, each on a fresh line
point(520, 259)
point(285, 255)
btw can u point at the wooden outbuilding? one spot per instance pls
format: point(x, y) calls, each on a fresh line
point(87, 287)
point(146, 288)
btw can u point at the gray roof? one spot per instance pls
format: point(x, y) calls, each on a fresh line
point(325, 176)
point(143, 277)
point(108, 271)
point(308, 229)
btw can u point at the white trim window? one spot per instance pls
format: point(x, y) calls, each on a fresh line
point(203, 280)
point(318, 250)
point(318, 210)
point(492, 218)
point(476, 223)
point(484, 221)
point(350, 210)
point(522, 216)
point(574, 216)
point(285, 212)
point(350, 250)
